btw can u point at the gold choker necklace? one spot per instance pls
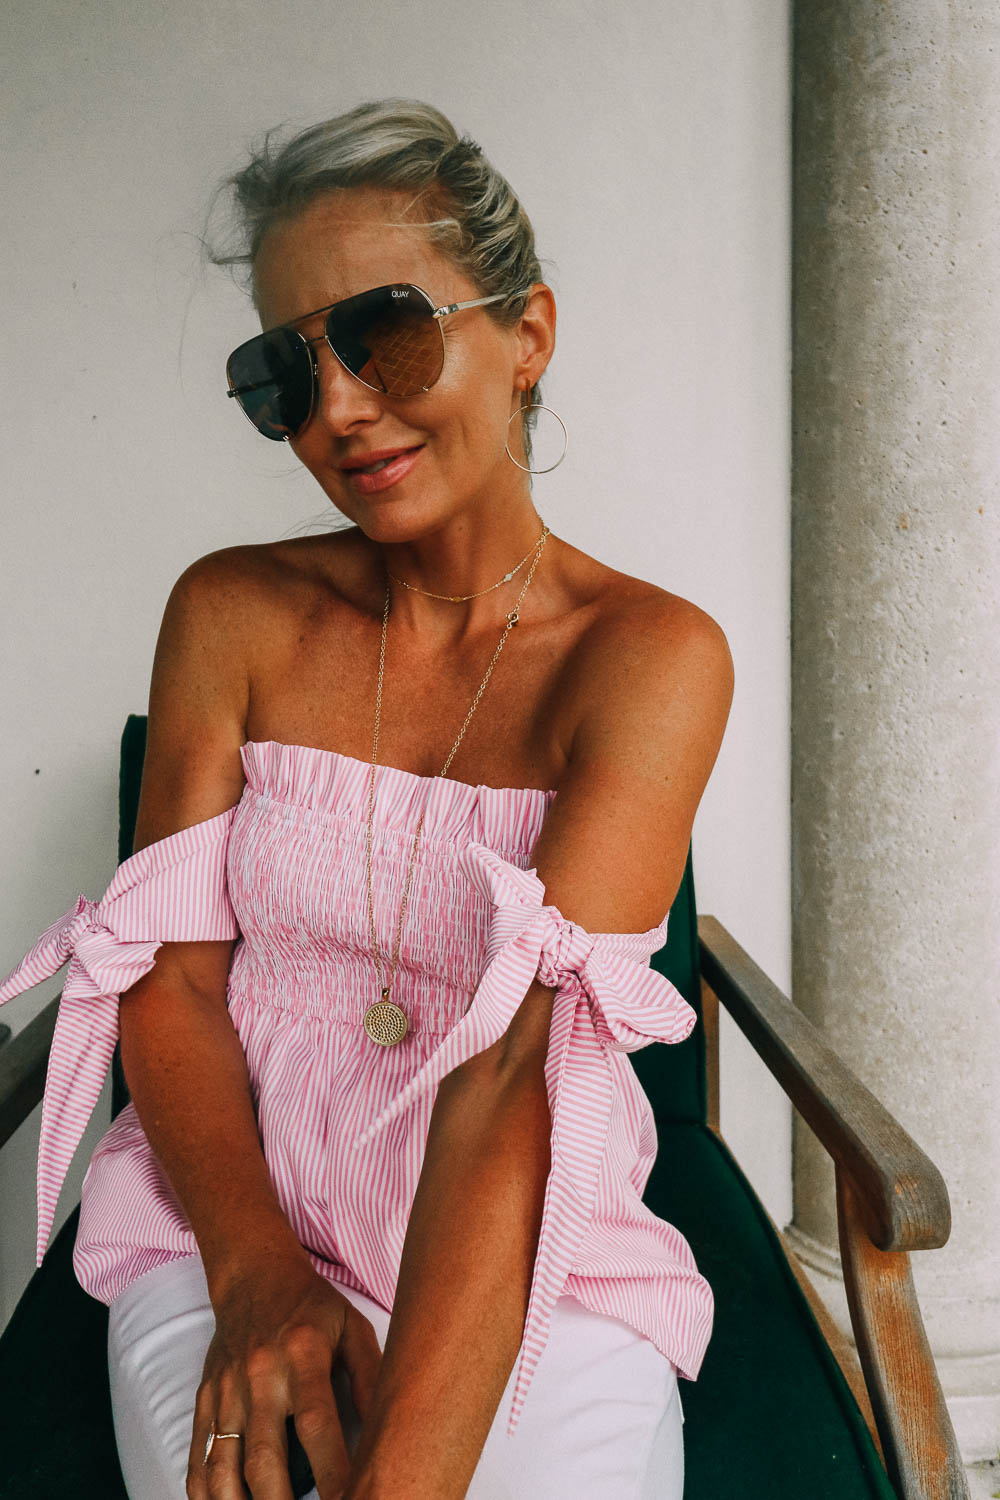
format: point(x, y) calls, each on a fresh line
point(461, 598)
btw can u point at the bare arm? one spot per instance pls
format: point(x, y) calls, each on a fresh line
point(182, 1059)
point(278, 1322)
point(464, 1279)
point(641, 760)
point(187, 1075)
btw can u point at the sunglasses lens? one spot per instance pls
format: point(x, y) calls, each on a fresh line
point(388, 338)
point(271, 377)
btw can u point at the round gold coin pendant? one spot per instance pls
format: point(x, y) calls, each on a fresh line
point(385, 1023)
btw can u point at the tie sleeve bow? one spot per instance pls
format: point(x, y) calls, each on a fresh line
point(170, 891)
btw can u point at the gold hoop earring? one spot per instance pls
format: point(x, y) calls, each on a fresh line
point(523, 411)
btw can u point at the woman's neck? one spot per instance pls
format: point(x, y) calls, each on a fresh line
point(460, 559)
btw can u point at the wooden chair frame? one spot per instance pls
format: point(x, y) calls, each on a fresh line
point(891, 1199)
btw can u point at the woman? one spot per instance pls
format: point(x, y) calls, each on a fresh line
point(375, 1064)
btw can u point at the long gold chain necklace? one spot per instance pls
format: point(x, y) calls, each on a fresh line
point(384, 1020)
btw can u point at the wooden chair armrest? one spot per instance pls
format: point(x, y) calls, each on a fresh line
point(23, 1065)
point(901, 1195)
point(918, 1440)
point(890, 1199)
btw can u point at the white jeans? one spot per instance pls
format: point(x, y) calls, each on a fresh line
point(601, 1420)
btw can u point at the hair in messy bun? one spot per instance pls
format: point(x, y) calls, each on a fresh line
point(470, 211)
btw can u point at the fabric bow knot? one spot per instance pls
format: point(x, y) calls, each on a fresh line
point(101, 965)
point(106, 962)
point(566, 947)
point(172, 890)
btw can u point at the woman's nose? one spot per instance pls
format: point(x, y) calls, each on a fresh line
point(342, 400)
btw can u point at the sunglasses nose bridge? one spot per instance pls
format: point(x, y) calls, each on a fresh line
point(339, 396)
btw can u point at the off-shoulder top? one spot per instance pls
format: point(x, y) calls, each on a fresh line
point(343, 1120)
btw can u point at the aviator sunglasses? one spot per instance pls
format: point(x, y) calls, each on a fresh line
point(389, 338)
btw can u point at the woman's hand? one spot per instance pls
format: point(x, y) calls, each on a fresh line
point(278, 1329)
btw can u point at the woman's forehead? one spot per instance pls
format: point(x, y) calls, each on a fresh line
point(343, 243)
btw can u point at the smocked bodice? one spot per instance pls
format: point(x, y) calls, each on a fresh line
point(306, 931)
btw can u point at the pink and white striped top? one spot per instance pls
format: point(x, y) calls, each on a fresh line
point(344, 1121)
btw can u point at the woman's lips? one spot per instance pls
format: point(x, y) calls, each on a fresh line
point(372, 484)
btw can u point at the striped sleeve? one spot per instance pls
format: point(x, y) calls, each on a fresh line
point(606, 998)
point(171, 891)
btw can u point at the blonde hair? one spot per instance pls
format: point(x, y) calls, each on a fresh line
point(472, 214)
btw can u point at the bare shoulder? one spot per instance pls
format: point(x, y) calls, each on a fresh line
point(659, 682)
point(644, 647)
point(236, 598)
point(220, 614)
point(660, 624)
point(233, 584)
point(201, 649)
point(651, 689)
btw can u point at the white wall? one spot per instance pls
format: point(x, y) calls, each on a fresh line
point(649, 143)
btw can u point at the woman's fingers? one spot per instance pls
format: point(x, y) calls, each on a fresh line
point(268, 1376)
point(224, 1469)
point(315, 1414)
point(214, 1472)
point(265, 1458)
point(299, 1468)
point(362, 1355)
point(317, 1425)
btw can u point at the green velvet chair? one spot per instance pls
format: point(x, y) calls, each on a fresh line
point(780, 1410)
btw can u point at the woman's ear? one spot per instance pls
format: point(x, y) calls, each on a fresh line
point(536, 336)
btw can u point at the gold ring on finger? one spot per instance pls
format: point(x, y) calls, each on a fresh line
point(213, 1435)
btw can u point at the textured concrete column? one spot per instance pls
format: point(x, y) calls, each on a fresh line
point(896, 624)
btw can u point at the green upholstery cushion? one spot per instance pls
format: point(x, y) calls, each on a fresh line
point(770, 1416)
point(674, 1076)
point(58, 1435)
point(133, 753)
